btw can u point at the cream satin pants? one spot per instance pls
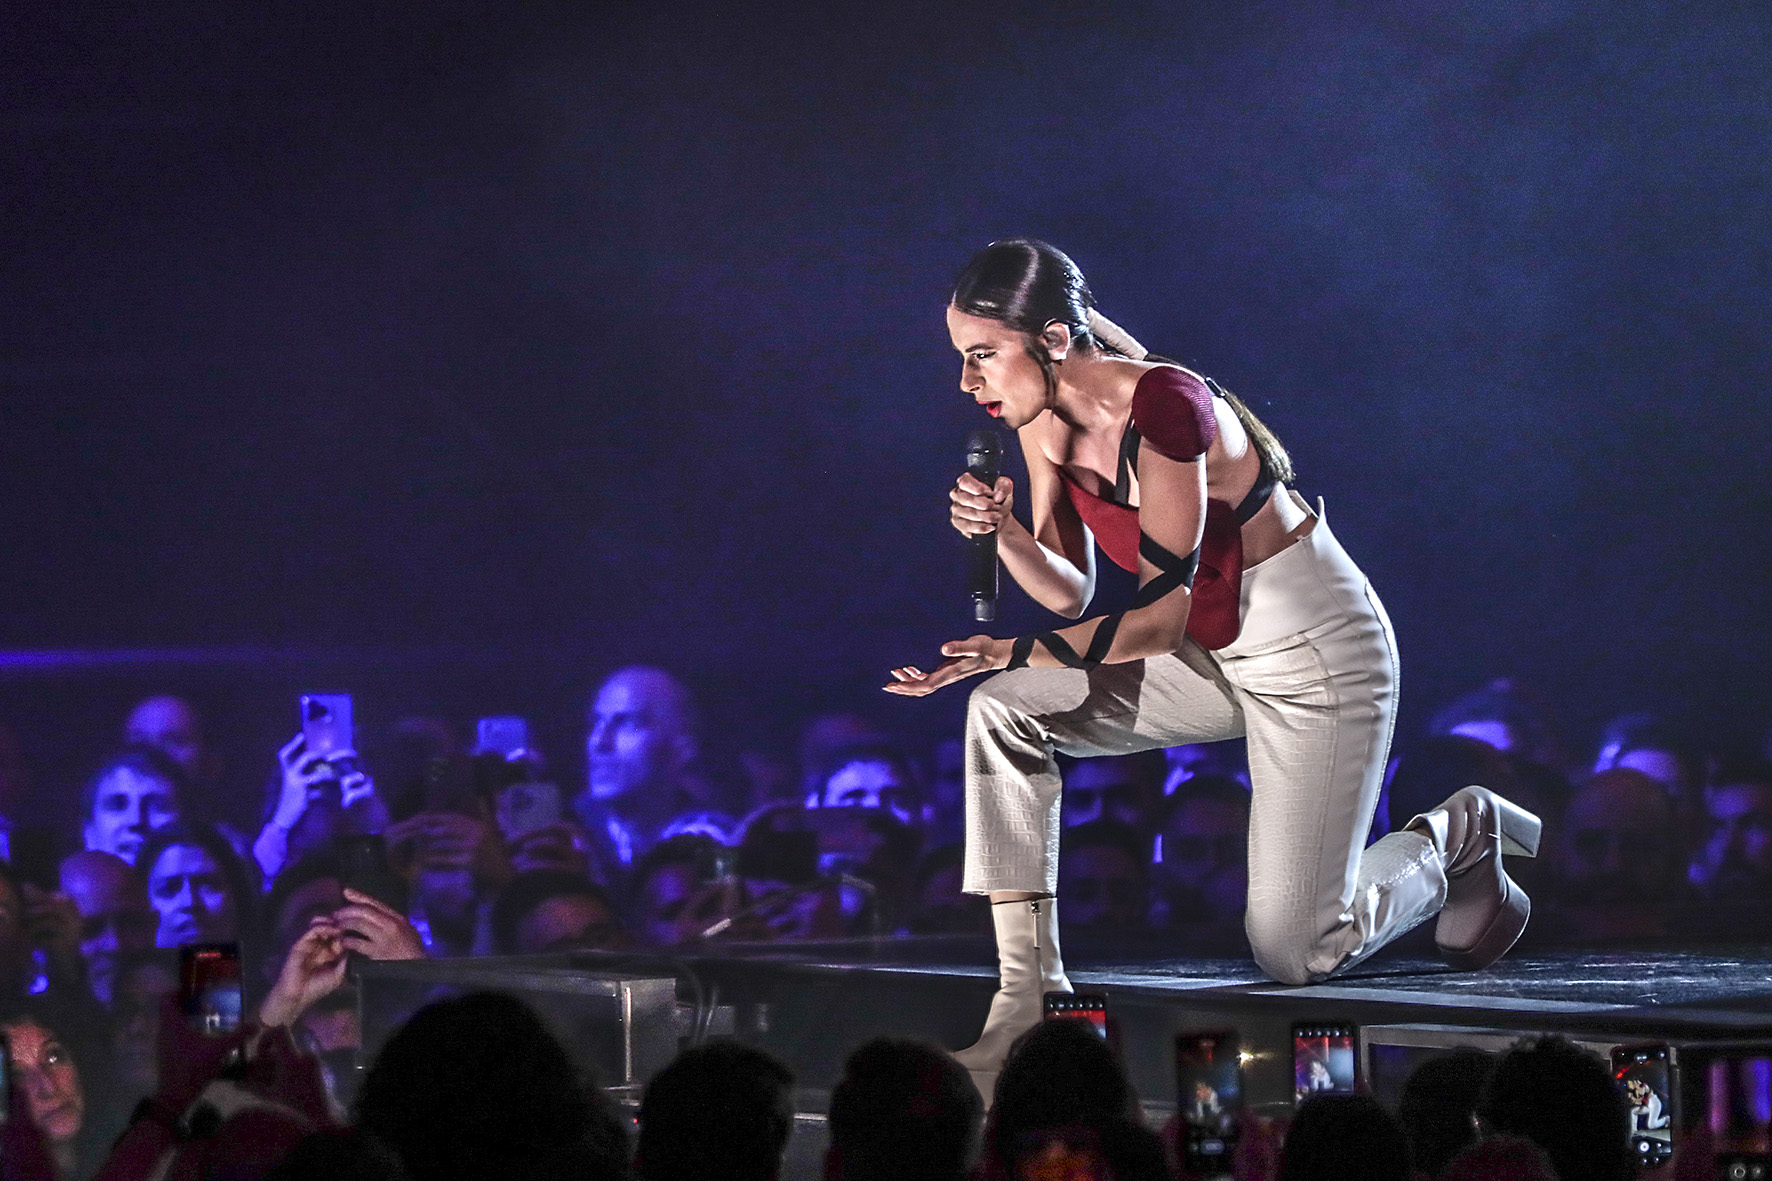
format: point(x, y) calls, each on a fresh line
point(1311, 682)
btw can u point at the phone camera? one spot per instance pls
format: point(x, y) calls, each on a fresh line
point(1737, 1172)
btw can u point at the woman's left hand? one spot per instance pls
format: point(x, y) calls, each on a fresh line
point(965, 657)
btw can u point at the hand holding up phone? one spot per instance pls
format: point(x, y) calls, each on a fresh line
point(314, 967)
point(373, 928)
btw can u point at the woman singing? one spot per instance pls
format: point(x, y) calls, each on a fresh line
point(1250, 620)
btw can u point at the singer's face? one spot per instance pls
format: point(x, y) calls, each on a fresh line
point(996, 370)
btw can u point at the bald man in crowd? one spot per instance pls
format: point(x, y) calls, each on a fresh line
point(640, 753)
point(114, 915)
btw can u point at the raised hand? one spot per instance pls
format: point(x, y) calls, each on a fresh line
point(974, 508)
point(371, 926)
point(965, 658)
point(303, 772)
point(314, 967)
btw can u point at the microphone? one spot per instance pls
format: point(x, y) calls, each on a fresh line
point(984, 461)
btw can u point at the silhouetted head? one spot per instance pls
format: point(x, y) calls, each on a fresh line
point(1126, 788)
point(1564, 1099)
point(1337, 1137)
point(904, 1111)
point(1059, 1073)
point(477, 1087)
point(1437, 1103)
point(721, 1110)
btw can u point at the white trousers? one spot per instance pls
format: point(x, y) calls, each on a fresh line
point(1311, 682)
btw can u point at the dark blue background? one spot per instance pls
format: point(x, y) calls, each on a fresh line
point(582, 334)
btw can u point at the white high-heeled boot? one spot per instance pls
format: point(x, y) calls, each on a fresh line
point(1485, 910)
point(1028, 967)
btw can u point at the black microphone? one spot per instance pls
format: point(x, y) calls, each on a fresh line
point(984, 461)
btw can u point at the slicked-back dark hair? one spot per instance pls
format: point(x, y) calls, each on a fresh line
point(1029, 284)
point(1026, 284)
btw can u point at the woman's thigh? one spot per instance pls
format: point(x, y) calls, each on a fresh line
point(1120, 708)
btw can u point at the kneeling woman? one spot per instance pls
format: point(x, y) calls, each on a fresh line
point(1250, 620)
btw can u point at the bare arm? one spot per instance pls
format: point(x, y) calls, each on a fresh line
point(1172, 518)
point(1054, 562)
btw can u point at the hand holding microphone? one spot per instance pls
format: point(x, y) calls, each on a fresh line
point(975, 508)
point(984, 514)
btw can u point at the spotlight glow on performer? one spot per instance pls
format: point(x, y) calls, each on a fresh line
point(1250, 621)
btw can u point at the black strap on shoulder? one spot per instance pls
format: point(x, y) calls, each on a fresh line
point(1258, 495)
point(1129, 440)
point(1019, 652)
point(1172, 572)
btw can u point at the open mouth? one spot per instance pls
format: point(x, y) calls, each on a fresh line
point(994, 409)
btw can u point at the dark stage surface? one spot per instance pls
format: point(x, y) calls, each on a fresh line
point(812, 1004)
point(820, 1002)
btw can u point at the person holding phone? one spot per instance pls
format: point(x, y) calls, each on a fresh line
point(1251, 620)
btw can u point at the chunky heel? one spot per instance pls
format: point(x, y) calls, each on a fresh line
point(1520, 830)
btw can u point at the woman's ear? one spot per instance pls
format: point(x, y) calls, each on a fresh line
point(1056, 336)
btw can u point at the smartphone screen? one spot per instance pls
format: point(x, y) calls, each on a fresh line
point(1090, 1007)
point(1323, 1060)
point(209, 986)
point(507, 737)
point(326, 723)
point(1645, 1073)
point(1209, 1096)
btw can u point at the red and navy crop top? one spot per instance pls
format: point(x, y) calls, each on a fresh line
point(1172, 410)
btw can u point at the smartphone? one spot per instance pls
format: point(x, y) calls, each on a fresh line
point(363, 866)
point(1729, 1088)
point(1209, 1097)
point(1090, 1007)
point(525, 807)
point(326, 723)
point(209, 980)
point(1323, 1059)
point(1645, 1071)
point(507, 737)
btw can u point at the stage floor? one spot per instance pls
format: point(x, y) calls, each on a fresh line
point(813, 1003)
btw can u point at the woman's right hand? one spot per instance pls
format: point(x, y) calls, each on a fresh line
point(974, 509)
point(302, 772)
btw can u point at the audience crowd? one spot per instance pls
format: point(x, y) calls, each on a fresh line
point(412, 843)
